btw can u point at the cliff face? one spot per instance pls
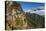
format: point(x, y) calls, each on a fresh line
point(16, 18)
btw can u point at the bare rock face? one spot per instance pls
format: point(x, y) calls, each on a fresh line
point(15, 18)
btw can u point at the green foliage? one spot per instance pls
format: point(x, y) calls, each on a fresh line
point(35, 20)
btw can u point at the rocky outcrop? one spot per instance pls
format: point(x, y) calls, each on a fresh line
point(14, 16)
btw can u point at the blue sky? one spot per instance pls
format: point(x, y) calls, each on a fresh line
point(30, 5)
